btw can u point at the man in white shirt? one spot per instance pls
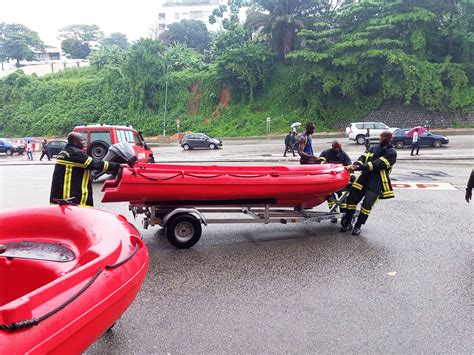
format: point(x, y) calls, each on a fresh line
point(415, 143)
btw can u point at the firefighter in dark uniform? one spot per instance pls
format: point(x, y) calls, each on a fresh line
point(335, 155)
point(374, 182)
point(71, 177)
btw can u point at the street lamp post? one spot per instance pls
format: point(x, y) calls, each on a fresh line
point(166, 99)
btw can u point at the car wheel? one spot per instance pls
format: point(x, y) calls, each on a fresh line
point(9, 152)
point(98, 150)
point(360, 139)
point(186, 147)
point(151, 159)
point(437, 144)
point(399, 145)
point(212, 146)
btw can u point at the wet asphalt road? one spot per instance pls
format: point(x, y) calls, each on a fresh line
point(404, 286)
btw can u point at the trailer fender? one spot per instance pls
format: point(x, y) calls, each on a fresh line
point(192, 211)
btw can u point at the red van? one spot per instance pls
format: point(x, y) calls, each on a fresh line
point(98, 139)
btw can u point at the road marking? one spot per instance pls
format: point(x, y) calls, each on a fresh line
point(423, 186)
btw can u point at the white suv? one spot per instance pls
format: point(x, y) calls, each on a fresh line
point(357, 130)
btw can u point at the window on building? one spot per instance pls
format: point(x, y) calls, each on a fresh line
point(176, 15)
point(195, 14)
point(161, 16)
point(161, 27)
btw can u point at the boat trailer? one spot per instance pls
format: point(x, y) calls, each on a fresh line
point(182, 224)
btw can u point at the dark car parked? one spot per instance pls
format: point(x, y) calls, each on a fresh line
point(9, 147)
point(55, 146)
point(199, 140)
point(400, 139)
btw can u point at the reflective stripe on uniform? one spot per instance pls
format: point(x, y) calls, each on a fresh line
point(385, 161)
point(351, 207)
point(388, 194)
point(364, 211)
point(67, 182)
point(383, 175)
point(371, 166)
point(71, 164)
point(322, 158)
point(84, 191)
point(357, 186)
point(106, 166)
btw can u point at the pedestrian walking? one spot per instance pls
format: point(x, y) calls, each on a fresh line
point(415, 142)
point(367, 139)
point(290, 141)
point(44, 150)
point(373, 183)
point(29, 150)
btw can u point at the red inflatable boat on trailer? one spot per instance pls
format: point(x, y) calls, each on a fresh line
point(303, 186)
point(68, 273)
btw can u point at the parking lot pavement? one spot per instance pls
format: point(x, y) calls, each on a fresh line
point(461, 147)
point(403, 286)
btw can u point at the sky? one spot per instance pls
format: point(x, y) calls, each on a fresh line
point(132, 17)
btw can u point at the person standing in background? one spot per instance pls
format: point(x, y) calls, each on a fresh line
point(305, 146)
point(367, 139)
point(29, 150)
point(415, 142)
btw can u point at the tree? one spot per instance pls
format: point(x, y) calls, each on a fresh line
point(389, 49)
point(78, 40)
point(242, 60)
point(283, 19)
point(192, 33)
point(182, 57)
point(18, 42)
point(116, 38)
point(111, 55)
point(144, 67)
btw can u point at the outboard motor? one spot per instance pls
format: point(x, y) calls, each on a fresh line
point(121, 153)
point(118, 153)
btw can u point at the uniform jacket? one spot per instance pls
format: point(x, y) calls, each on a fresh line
point(376, 165)
point(71, 177)
point(331, 156)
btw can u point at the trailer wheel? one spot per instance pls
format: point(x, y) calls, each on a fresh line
point(183, 231)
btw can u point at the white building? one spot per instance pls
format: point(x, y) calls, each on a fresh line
point(176, 10)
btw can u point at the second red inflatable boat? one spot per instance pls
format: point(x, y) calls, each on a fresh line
point(302, 186)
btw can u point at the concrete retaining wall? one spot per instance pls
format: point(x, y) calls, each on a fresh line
point(396, 114)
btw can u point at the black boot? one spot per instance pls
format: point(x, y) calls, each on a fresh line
point(346, 226)
point(356, 230)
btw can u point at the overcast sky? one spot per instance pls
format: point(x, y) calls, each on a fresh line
point(46, 17)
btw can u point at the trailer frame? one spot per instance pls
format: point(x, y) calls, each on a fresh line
point(182, 224)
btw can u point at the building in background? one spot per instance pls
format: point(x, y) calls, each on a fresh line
point(49, 53)
point(172, 11)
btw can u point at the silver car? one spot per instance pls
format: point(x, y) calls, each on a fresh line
point(200, 140)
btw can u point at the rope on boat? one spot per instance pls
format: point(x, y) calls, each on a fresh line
point(28, 323)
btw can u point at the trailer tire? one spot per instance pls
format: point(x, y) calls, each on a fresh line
point(183, 231)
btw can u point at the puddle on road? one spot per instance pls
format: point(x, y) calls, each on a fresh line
point(429, 175)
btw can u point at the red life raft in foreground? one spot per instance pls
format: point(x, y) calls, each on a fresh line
point(166, 184)
point(68, 273)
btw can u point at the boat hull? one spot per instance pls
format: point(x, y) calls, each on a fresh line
point(97, 240)
point(286, 186)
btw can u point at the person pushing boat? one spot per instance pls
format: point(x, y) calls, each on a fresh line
point(71, 177)
point(305, 145)
point(373, 183)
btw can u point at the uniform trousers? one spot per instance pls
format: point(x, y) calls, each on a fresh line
point(355, 196)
